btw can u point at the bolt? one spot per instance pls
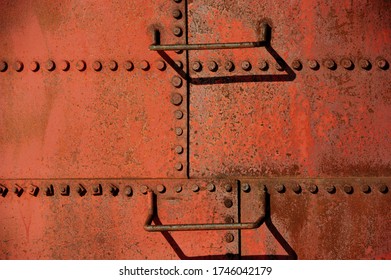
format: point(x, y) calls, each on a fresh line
point(18, 66)
point(331, 189)
point(228, 188)
point(177, 31)
point(382, 64)
point(113, 65)
point(81, 190)
point(81, 65)
point(246, 188)
point(196, 66)
point(246, 65)
point(144, 189)
point(179, 64)
point(50, 65)
point(128, 191)
point(161, 188)
point(330, 64)
point(144, 65)
point(3, 66)
point(211, 187)
point(179, 149)
point(65, 65)
point(296, 64)
point(383, 189)
point(229, 237)
point(179, 51)
point(114, 190)
point(178, 166)
point(347, 64)
point(178, 131)
point(178, 114)
point(229, 66)
point(263, 65)
point(279, 67)
point(313, 189)
point(176, 81)
point(313, 64)
point(33, 190)
point(176, 99)
point(16, 190)
point(366, 189)
point(48, 190)
point(97, 65)
point(161, 65)
point(280, 188)
point(229, 220)
point(195, 188)
point(296, 188)
point(228, 203)
point(178, 189)
point(177, 14)
point(64, 190)
point(348, 189)
point(365, 64)
point(96, 189)
point(177, 1)
point(212, 66)
point(128, 65)
point(34, 66)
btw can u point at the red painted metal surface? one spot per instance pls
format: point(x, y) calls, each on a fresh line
point(87, 106)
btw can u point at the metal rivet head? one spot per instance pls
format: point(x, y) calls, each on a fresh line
point(195, 188)
point(65, 65)
point(161, 188)
point(113, 65)
point(177, 14)
point(177, 1)
point(17, 190)
point(330, 64)
point(3, 66)
point(228, 188)
point(179, 64)
point(229, 220)
point(114, 190)
point(229, 66)
point(176, 81)
point(179, 149)
point(228, 203)
point(144, 189)
point(161, 65)
point(196, 66)
point(50, 65)
point(296, 188)
point(81, 190)
point(177, 31)
point(178, 166)
point(313, 64)
point(128, 65)
point(48, 191)
point(365, 64)
point(81, 65)
point(178, 114)
point(279, 66)
point(229, 237)
point(18, 66)
point(144, 65)
point(178, 131)
point(347, 64)
point(128, 191)
point(34, 66)
point(296, 64)
point(212, 66)
point(313, 188)
point(178, 189)
point(179, 51)
point(246, 65)
point(331, 189)
point(366, 189)
point(246, 188)
point(280, 188)
point(348, 189)
point(383, 189)
point(382, 64)
point(97, 65)
point(97, 189)
point(176, 99)
point(211, 187)
point(64, 190)
point(263, 65)
point(33, 190)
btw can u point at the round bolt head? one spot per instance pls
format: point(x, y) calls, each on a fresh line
point(195, 188)
point(128, 65)
point(81, 65)
point(211, 187)
point(313, 189)
point(246, 187)
point(177, 14)
point(177, 1)
point(50, 65)
point(179, 64)
point(228, 203)
point(382, 64)
point(34, 66)
point(366, 189)
point(176, 99)
point(229, 237)
point(212, 66)
point(128, 191)
point(331, 189)
point(280, 188)
point(246, 65)
point(178, 114)
point(348, 189)
point(365, 64)
point(161, 188)
point(263, 65)
point(179, 166)
point(95, 189)
point(3, 66)
point(144, 65)
point(48, 191)
point(161, 65)
point(179, 149)
point(18, 66)
point(33, 190)
point(228, 188)
point(178, 189)
point(330, 64)
point(144, 189)
point(81, 190)
point(176, 81)
point(313, 64)
point(97, 65)
point(296, 188)
point(64, 190)
point(64, 65)
point(347, 64)
point(177, 31)
point(229, 220)
point(296, 64)
point(383, 189)
point(113, 65)
point(279, 67)
point(229, 66)
point(179, 51)
point(178, 131)
point(196, 66)
point(16, 190)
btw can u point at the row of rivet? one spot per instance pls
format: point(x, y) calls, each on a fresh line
point(264, 65)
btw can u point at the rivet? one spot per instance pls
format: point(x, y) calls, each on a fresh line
point(178, 114)
point(279, 67)
point(348, 189)
point(128, 65)
point(144, 189)
point(212, 66)
point(229, 237)
point(296, 188)
point(179, 64)
point(263, 65)
point(64, 65)
point(229, 66)
point(3, 66)
point(161, 188)
point(81, 65)
point(3, 190)
point(228, 203)
point(64, 190)
point(33, 190)
point(313, 188)
point(313, 64)
point(178, 189)
point(178, 131)
point(179, 149)
point(114, 190)
point(97, 189)
point(331, 189)
point(366, 189)
point(365, 64)
point(113, 65)
point(211, 187)
point(196, 66)
point(179, 51)
point(18, 66)
point(347, 64)
point(34, 66)
point(17, 190)
point(177, 31)
point(246, 65)
point(246, 188)
point(229, 220)
point(177, 1)
point(178, 166)
point(50, 65)
point(161, 65)
point(330, 64)
point(176, 99)
point(144, 65)
point(382, 64)
point(177, 14)
point(97, 65)
point(383, 189)
point(128, 191)
point(195, 188)
point(280, 188)
point(228, 188)
point(296, 64)
point(81, 190)
point(176, 81)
